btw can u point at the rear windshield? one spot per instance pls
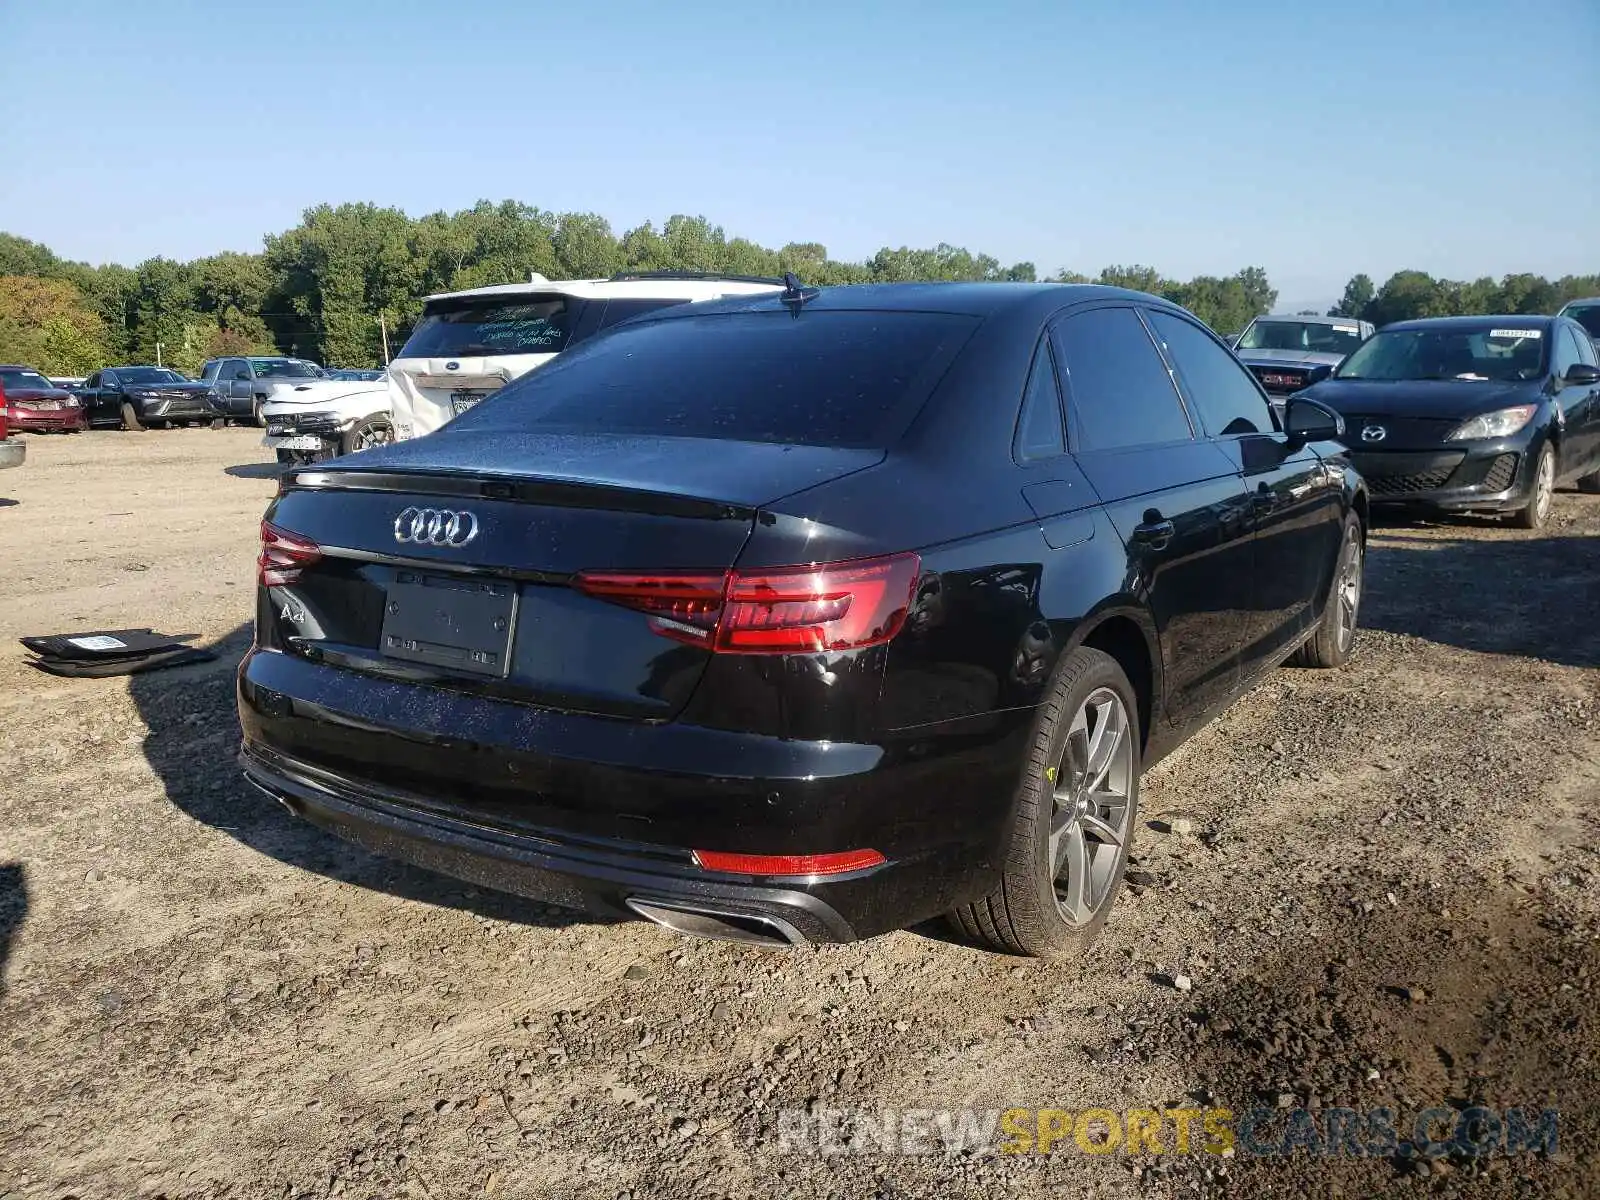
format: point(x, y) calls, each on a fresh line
point(848, 379)
point(476, 327)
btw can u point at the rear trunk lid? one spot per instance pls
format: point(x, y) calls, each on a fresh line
point(451, 561)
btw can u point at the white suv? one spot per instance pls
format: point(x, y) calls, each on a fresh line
point(468, 344)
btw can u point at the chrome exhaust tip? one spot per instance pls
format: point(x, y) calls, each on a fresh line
point(718, 925)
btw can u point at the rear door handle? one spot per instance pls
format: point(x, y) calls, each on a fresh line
point(1155, 534)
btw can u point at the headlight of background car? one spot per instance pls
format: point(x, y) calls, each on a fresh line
point(1495, 424)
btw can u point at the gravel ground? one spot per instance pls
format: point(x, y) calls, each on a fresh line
point(1372, 887)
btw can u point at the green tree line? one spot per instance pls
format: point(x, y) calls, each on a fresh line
point(319, 290)
point(1409, 294)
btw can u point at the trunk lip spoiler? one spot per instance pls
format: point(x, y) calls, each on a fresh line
point(544, 490)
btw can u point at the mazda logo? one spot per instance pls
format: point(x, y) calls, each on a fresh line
point(1373, 433)
point(435, 527)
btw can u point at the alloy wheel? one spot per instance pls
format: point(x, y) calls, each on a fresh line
point(1349, 587)
point(374, 435)
point(1089, 806)
point(1544, 485)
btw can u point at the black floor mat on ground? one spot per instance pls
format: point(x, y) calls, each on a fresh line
point(111, 652)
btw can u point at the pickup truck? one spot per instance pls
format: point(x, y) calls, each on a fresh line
point(245, 384)
point(1290, 353)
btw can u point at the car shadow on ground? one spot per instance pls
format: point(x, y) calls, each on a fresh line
point(192, 745)
point(8, 503)
point(13, 910)
point(1535, 597)
point(269, 470)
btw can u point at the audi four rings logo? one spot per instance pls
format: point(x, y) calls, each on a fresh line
point(435, 527)
point(1373, 433)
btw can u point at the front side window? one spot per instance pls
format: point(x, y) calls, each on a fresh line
point(1491, 352)
point(1118, 387)
point(1224, 393)
point(1565, 352)
point(477, 327)
point(209, 371)
point(1040, 432)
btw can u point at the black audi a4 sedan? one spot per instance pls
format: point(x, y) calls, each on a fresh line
point(803, 617)
point(1487, 414)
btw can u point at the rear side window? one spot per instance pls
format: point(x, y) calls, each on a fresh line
point(1040, 432)
point(475, 327)
point(849, 379)
point(1118, 387)
point(1226, 398)
point(621, 310)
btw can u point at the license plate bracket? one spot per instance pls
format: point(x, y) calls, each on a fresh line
point(456, 623)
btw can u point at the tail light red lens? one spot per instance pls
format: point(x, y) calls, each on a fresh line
point(283, 556)
point(788, 864)
point(784, 610)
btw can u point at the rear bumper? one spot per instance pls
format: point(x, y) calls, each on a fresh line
point(604, 813)
point(1466, 476)
point(12, 452)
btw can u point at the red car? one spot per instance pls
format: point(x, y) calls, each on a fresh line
point(39, 406)
point(12, 451)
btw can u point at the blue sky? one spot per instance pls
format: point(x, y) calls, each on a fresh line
point(1457, 136)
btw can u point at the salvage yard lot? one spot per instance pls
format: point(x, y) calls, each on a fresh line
point(1382, 882)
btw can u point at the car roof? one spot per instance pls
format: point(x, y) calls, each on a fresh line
point(967, 299)
point(1508, 321)
point(1307, 319)
point(20, 367)
point(642, 287)
point(1579, 300)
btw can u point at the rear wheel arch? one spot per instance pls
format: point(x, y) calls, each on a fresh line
point(1129, 640)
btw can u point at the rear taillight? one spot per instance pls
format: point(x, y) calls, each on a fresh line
point(782, 610)
point(283, 556)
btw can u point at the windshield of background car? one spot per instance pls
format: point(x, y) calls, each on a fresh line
point(1302, 336)
point(285, 368)
point(148, 375)
point(846, 379)
point(498, 325)
point(1587, 315)
point(1501, 353)
point(18, 380)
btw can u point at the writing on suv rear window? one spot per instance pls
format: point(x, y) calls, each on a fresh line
point(479, 327)
point(848, 379)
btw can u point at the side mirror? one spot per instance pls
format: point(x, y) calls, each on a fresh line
point(242, 374)
point(1308, 420)
point(1579, 374)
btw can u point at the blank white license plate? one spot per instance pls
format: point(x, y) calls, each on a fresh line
point(303, 442)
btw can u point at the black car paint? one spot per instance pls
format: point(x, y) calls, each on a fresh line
point(1417, 417)
point(1200, 565)
point(104, 393)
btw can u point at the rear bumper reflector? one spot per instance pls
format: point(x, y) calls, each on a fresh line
point(788, 864)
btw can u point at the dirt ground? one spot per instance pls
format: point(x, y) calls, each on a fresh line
point(1381, 885)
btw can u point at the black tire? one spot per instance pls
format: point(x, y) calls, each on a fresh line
point(367, 435)
point(1026, 914)
point(1335, 637)
point(130, 417)
point(1589, 483)
point(256, 418)
point(1541, 491)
